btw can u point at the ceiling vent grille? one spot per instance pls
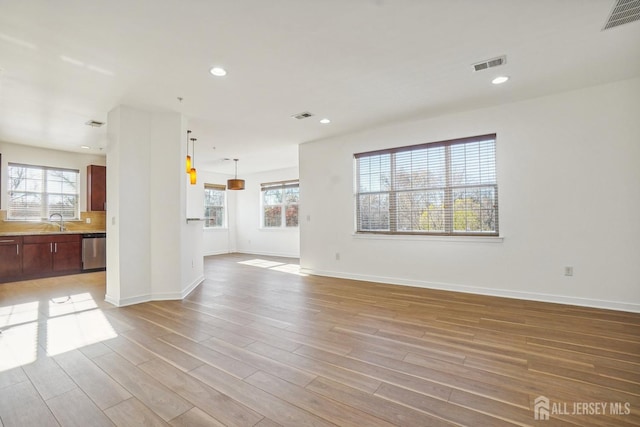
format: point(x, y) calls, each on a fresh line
point(623, 12)
point(303, 115)
point(490, 63)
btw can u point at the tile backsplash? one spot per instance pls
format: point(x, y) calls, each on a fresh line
point(97, 224)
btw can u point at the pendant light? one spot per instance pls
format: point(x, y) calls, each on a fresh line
point(188, 160)
point(192, 171)
point(235, 184)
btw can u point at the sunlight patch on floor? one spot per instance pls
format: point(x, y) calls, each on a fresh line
point(18, 313)
point(263, 263)
point(71, 304)
point(77, 330)
point(272, 265)
point(18, 346)
point(66, 323)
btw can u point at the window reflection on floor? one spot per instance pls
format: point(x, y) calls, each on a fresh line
point(273, 265)
point(34, 329)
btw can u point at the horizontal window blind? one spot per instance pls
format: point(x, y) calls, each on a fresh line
point(279, 184)
point(215, 187)
point(445, 188)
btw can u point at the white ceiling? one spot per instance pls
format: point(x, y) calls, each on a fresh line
point(360, 63)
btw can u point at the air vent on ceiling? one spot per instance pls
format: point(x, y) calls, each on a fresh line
point(490, 63)
point(94, 123)
point(303, 115)
point(623, 12)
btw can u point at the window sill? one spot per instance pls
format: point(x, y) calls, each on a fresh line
point(215, 228)
point(464, 239)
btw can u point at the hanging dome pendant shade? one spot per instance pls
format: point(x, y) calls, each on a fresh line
point(235, 184)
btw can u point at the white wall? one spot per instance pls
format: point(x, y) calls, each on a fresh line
point(568, 176)
point(250, 236)
point(14, 153)
point(152, 251)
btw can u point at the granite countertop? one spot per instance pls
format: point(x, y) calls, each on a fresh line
point(34, 233)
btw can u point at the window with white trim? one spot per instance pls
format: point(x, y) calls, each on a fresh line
point(214, 206)
point(442, 188)
point(36, 192)
point(280, 204)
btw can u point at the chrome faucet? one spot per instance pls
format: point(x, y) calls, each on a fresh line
point(61, 225)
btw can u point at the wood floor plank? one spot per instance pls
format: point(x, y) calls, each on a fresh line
point(48, 378)
point(99, 386)
point(327, 409)
point(133, 413)
point(383, 374)
point(318, 367)
point(144, 387)
point(12, 376)
point(257, 345)
point(128, 349)
point(269, 365)
point(260, 401)
point(161, 349)
point(207, 355)
point(219, 406)
point(75, 409)
point(21, 405)
point(172, 323)
point(481, 383)
point(395, 413)
point(438, 408)
point(195, 417)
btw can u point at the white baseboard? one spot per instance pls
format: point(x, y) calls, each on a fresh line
point(217, 253)
point(532, 296)
point(156, 296)
point(192, 286)
point(127, 301)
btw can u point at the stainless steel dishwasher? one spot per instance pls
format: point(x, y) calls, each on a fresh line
point(94, 251)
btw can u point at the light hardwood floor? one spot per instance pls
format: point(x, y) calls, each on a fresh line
point(258, 344)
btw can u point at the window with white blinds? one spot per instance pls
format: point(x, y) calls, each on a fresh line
point(214, 205)
point(36, 192)
point(280, 203)
point(442, 188)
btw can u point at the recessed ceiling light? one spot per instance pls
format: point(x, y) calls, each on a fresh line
point(85, 147)
point(325, 121)
point(218, 71)
point(499, 80)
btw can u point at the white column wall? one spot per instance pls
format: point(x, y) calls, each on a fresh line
point(568, 176)
point(152, 253)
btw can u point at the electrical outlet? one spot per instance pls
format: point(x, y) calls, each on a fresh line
point(568, 271)
point(88, 220)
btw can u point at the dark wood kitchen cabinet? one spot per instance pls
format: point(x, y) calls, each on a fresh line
point(51, 255)
point(10, 257)
point(96, 188)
